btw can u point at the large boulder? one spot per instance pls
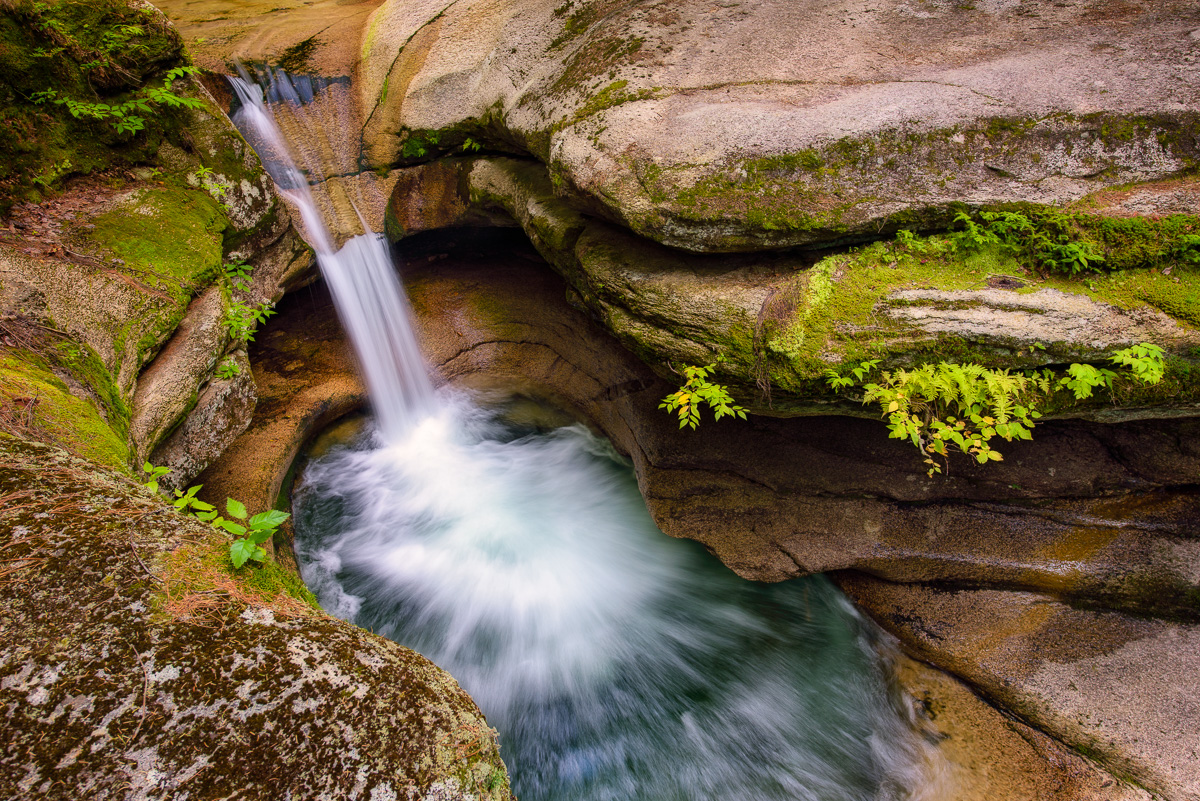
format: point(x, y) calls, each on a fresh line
point(719, 127)
point(137, 663)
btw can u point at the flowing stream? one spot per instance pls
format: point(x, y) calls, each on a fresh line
point(615, 662)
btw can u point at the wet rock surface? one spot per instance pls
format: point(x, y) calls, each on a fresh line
point(1108, 684)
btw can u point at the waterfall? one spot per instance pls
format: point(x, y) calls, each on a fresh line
point(361, 277)
point(617, 664)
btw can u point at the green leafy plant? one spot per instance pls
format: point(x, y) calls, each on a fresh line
point(1083, 379)
point(1188, 249)
point(153, 474)
point(972, 237)
point(52, 173)
point(469, 145)
point(938, 407)
point(241, 321)
point(697, 391)
point(219, 190)
point(227, 369)
point(1146, 362)
point(1046, 241)
point(120, 115)
point(249, 535)
point(237, 275)
point(944, 407)
point(417, 145)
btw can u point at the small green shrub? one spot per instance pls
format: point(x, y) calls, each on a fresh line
point(947, 406)
point(227, 369)
point(241, 320)
point(218, 190)
point(697, 391)
point(1188, 249)
point(248, 535)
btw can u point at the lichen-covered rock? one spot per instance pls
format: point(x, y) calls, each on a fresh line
point(136, 663)
point(860, 119)
point(223, 409)
point(166, 388)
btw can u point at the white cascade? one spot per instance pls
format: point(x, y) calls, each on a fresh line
point(361, 276)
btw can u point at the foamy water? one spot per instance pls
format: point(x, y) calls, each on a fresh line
point(616, 663)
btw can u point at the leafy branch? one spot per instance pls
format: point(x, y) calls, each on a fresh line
point(697, 391)
point(241, 320)
point(944, 407)
point(121, 115)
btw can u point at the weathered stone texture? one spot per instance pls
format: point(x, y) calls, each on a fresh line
point(111, 688)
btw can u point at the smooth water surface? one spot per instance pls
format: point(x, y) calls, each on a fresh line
point(616, 662)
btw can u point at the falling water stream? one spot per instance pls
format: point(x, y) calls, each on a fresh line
point(616, 663)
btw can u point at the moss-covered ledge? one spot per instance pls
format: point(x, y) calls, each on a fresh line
point(780, 320)
point(136, 660)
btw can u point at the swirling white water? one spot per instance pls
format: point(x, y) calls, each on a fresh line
point(616, 663)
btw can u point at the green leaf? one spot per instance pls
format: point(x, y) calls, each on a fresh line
point(228, 525)
point(241, 551)
point(259, 536)
point(235, 508)
point(273, 519)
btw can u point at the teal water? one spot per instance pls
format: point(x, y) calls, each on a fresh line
point(615, 662)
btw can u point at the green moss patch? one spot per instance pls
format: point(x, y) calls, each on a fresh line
point(826, 192)
point(830, 315)
point(200, 582)
point(36, 404)
point(170, 239)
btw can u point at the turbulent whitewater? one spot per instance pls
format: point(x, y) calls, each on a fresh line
point(616, 663)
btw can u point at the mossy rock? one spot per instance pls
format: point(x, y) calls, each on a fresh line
point(777, 323)
point(163, 671)
point(36, 402)
point(96, 52)
point(840, 135)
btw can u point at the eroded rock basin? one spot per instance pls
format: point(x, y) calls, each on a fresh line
point(497, 315)
point(616, 663)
